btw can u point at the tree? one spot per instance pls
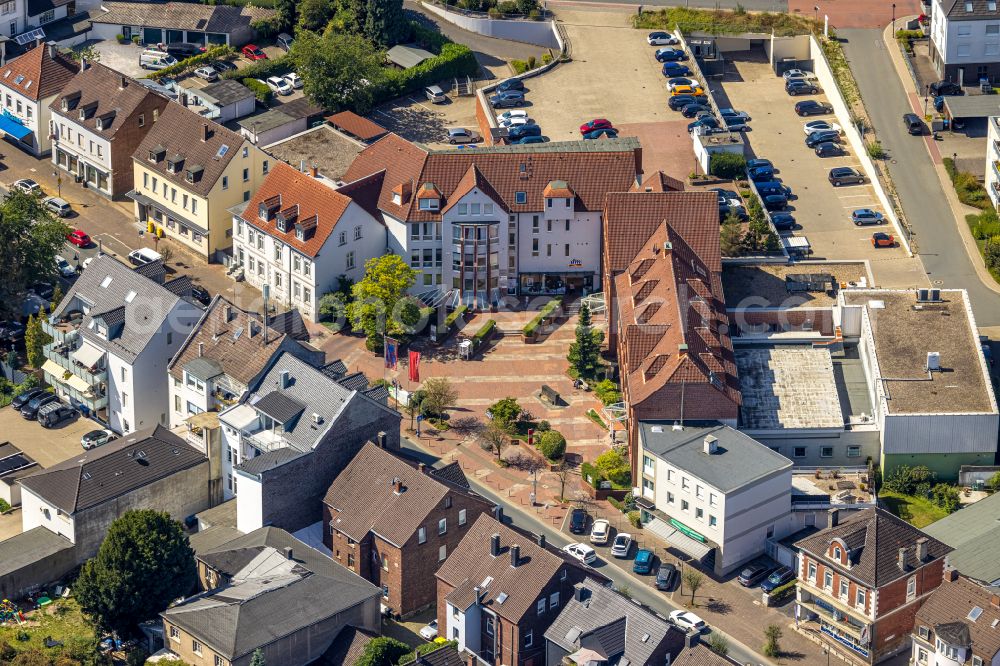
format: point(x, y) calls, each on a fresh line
point(258, 658)
point(552, 444)
point(314, 15)
point(57, 296)
point(143, 564)
point(285, 15)
point(494, 438)
point(35, 339)
point(333, 307)
point(439, 395)
point(505, 412)
point(946, 497)
point(340, 71)
point(30, 238)
point(693, 579)
point(731, 236)
point(772, 634)
point(585, 354)
point(88, 52)
point(386, 280)
point(994, 482)
point(385, 24)
point(727, 165)
point(607, 392)
point(614, 466)
point(382, 651)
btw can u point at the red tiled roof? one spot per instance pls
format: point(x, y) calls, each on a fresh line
point(558, 188)
point(402, 162)
point(43, 74)
point(659, 182)
point(319, 206)
point(473, 179)
point(952, 602)
point(352, 123)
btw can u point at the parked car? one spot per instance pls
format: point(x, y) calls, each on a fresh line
point(811, 107)
point(621, 545)
point(882, 239)
point(508, 98)
point(665, 576)
point(946, 89)
point(27, 186)
point(514, 122)
point(279, 85)
point(56, 206)
point(520, 131)
point(531, 139)
point(670, 55)
point(514, 113)
point(681, 81)
point(284, 41)
point(429, 631)
point(734, 124)
point(207, 72)
point(13, 331)
point(733, 113)
point(597, 134)
point(817, 138)
point(761, 174)
point(800, 87)
point(775, 202)
point(732, 208)
point(223, 66)
point(643, 563)
point(753, 574)
point(143, 256)
point(581, 551)
point(79, 238)
point(156, 60)
point(759, 162)
point(578, 521)
point(864, 216)
point(820, 126)
point(201, 294)
point(596, 124)
point(21, 400)
point(54, 413)
point(695, 91)
point(709, 122)
point(777, 579)
point(687, 620)
point(253, 52)
point(672, 69)
point(695, 109)
point(96, 438)
point(182, 50)
point(510, 84)
point(30, 409)
point(63, 267)
point(774, 187)
point(661, 39)
point(798, 74)
point(845, 176)
point(435, 95)
point(294, 80)
point(783, 221)
point(463, 135)
point(913, 123)
point(600, 532)
point(938, 103)
point(828, 149)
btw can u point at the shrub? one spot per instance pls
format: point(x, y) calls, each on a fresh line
point(449, 321)
point(220, 52)
point(946, 497)
point(552, 444)
point(260, 90)
point(727, 165)
point(907, 480)
point(614, 467)
point(591, 475)
point(455, 60)
point(876, 151)
point(618, 505)
point(967, 186)
point(547, 310)
point(782, 591)
point(483, 333)
point(607, 392)
point(262, 69)
point(543, 426)
point(4, 506)
point(505, 411)
point(635, 518)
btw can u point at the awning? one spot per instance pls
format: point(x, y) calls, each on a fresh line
point(74, 382)
point(690, 547)
point(88, 356)
point(13, 128)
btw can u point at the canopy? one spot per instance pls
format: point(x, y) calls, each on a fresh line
point(88, 355)
point(13, 128)
point(690, 547)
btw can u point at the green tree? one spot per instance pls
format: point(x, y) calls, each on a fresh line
point(386, 280)
point(772, 634)
point(607, 392)
point(731, 236)
point(946, 497)
point(614, 466)
point(57, 296)
point(143, 564)
point(505, 413)
point(313, 15)
point(994, 482)
point(382, 651)
point(30, 238)
point(552, 444)
point(34, 339)
point(693, 579)
point(258, 658)
point(385, 24)
point(439, 395)
point(727, 165)
point(340, 70)
point(585, 354)
point(285, 15)
point(494, 438)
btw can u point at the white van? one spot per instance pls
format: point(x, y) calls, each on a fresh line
point(153, 59)
point(143, 256)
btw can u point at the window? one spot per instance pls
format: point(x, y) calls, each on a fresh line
point(799, 452)
point(534, 224)
point(487, 209)
point(306, 294)
point(648, 485)
point(474, 209)
point(196, 647)
point(859, 598)
point(462, 516)
point(442, 553)
point(845, 590)
point(976, 661)
point(826, 452)
point(993, 29)
point(554, 600)
point(837, 553)
point(548, 249)
point(175, 634)
point(124, 399)
point(685, 484)
point(853, 451)
point(991, 5)
point(968, 6)
point(350, 560)
point(246, 175)
point(194, 205)
point(264, 167)
point(712, 499)
point(684, 505)
point(712, 522)
point(350, 260)
point(357, 232)
point(540, 606)
point(991, 49)
point(812, 572)
point(534, 247)
point(124, 374)
point(385, 591)
point(924, 632)
point(699, 491)
point(911, 588)
point(964, 50)
point(548, 204)
point(463, 209)
point(670, 497)
point(529, 637)
point(828, 580)
point(699, 514)
point(421, 535)
point(520, 197)
point(428, 204)
point(647, 464)
point(225, 182)
point(442, 526)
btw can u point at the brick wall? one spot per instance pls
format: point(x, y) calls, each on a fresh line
point(895, 623)
point(127, 139)
point(821, 569)
point(750, 320)
point(482, 120)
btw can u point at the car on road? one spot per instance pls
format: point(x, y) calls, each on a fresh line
point(596, 124)
point(661, 39)
point(694, 91)
point(253, 52)
point(710, 122)
point(845, 176)
point(945, 89)
point(30, 409)
point(514, 113)
point(783, 221)
point(672, 69)
point(882, 239)
point(532, 139)
point(820, 126)
point(278, 85)
point(829, 149)
point(79, 238)
point(670, 55)
point(733, 113)
point(21, 400)
point(621, 545)
point(96, 438)
point(207, 72)
point(803, 74)
point(758, 162)
point(695, 109)
point(863, 216)
point(510, 84)
point(753, 574)
point(600, 532)
point(913, 123)
point(775, 202)
point(761, 174)
point(811, 107)
point(777, 579)
point(597, 134)
point(681, 81)
point(63, 267)
point(520, 131)
point(578, 521)
point(817, 138)
point(800, 87)
point(643, 563)
point(687, 620)
point(429, 631)
point(57, 206)
point(463, 135)
point(665, 576)
point(508, 98)
point(223, 66)
point(581, 551)
point(27, 186)
point(294, 80)
point(55, 413)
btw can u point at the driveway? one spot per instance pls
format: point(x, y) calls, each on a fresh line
point(122, 57)
point(415, 118)
point(47, 446)
point(924, 203)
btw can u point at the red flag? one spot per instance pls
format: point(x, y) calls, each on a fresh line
point(414, 366)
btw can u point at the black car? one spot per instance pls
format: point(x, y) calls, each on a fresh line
point(510, 84)
point(710, 122)
point(20, 401)
point(800, 87)
point(783, 221)
point(846, 176)
point(775, 202)
point(223, 66)
point(829, 149)
point(578, 521)
point(753, 574)
point(811, 107)
point(945, 89)
point(42, 290)
point(11, 331)
point(693, 109)
point(777, 579)
point(55, 413)
point(678, 102)
point(761, 174)
point(201, 295)
point(823, 136)
point(30, 409)
point(914, 125)
point(727, 209)
point(758, 162)
point(665, 576)
point(183, 50)
point(773, 187)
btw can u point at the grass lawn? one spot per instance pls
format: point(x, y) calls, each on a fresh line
point(62, 621)
point(972, 221)
point(917, 511)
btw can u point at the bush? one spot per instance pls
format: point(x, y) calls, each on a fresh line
point(454, 61)
point(607, 392)
point(547, 310)
point(552, 444)
point(720, 22)
point(782, 591)
point(618, 505)
point(4, 506)
point(994, 482)
point(220, 52)
point(260, 90)
point(967, 186)
point(907, 480)
point(543, 426)
point(727, 165)
point(591, 475)
point(635, 518)
point(449, 321)
point(483, 333)
point(505, 411)
point(614, 466)
point(946, 497)
point(382, 651)
point(262, 69)
point(876, 151)
point(520, 66)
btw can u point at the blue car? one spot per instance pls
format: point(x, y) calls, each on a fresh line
point(670, 55)
point(531, 139)
point(672, 70)
point(643, 563)
point(519, 131)
point(706, 121)
point(773, 187)
point(598, 133)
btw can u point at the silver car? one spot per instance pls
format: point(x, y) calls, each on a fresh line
point(462, 135)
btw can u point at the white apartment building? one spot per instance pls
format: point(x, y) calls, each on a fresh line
point(965, 40)
point(993, 159)
point(712, 492)
point(28, 84)
point(112, 337)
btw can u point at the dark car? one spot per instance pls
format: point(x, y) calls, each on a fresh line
point(643, 563)
point(510, 84)
point(945, 89)
point(811, 107)
point(735, 124)
point(775, 202)
point(578, 521)
point(914, 125)
point(846, 176)
point(20, 401)
point(800, 87)
point(692, 110)
point(773, 187)
point(728, 208)
point(30, 409)
point(598, 133)
point(665, 576)
point(42, 289)
point(783, 221)
point(679, 102)
point(823, 136)
point(758, 162)
point(670, 55)
point(183, 50)
point(777, 579)
point(223, 66)
point(761, 174)
point(55, 413)
point(939, 103)
point(753, 574)
point(518, 131)
point(524, 140)
point(508, 98)
point(11, 331)
point(829, 149)
point(201, 295)
point(711, 122)
point(672, 70)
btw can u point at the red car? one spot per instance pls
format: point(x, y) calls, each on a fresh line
point(596, 124)
point(78, 238)
point(251, 52)
point(882, 239)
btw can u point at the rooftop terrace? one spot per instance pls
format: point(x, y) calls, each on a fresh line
point(767, 285)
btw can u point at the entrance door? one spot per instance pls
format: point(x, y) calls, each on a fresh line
point(152, 35)
point(127, 32)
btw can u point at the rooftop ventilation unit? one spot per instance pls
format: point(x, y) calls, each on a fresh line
point(933, 361)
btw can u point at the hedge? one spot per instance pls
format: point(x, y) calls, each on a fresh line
point(588, 471)
point(484, 332)
point(450, 320)
point(214, 53)
point(546, 310)
point(782, 591)
point(261, 91)
point(262, 69)
point(455, 60)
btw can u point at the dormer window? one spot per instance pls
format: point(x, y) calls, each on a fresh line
point(65, 105)
point(429, 204)
point(281, 223)
point(156, 153)
point(968, 6)
point(300, 233)
point(397, 198)
point(193, 175)
point(838, 553)
point(175, 164)
point(268, 207)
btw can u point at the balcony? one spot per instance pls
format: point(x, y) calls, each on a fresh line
point(62, 355)
point(65, 330)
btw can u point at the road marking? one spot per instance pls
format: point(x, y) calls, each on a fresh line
point(854, 196)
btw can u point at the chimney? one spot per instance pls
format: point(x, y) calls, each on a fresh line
point(478, 592)
point(540, 539)
point(52, 50)
point(83, 63)
point(422, 468)
point(711, 445)
point(470, 658)
point(579, 592)
point(183, 99)
point(380, 439)
point(901, 559)
point(682, 349)
point(314, 171)
point(204, 132)
point(994, 600)
point(288, 552)
point(498, 513)
point(950, 575)
point(122, 82)
point(515, 555)
point(691, 639)
point(284, 379)
point(397, 485)
point(834, 517)
point(921, 549)
point(201, 349)
point(495, 545)
point(302, 166)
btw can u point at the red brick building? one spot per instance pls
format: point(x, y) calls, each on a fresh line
point(394, 523)
point(863, 579)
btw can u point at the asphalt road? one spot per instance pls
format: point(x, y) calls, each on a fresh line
point(924, 204)
point(639, 591)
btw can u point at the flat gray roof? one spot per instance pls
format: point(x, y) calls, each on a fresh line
point(407, 55)
point(764, 285)
point(604, 145)
point(974, 533)
point(740, 459)
point(788, 388)
point(972, 106)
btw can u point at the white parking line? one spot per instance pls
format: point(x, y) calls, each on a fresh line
point(854, 196)
point(420, 104)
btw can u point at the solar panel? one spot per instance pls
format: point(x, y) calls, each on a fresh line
point(30, 36)
point(14, 463)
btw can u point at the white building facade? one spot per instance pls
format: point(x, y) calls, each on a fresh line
point(993, 159)
point(965, 40)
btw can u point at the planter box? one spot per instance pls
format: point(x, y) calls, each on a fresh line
point(602, 493)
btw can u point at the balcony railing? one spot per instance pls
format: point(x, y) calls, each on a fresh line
point(62, 332)
point(832, 609)
point(65, 361)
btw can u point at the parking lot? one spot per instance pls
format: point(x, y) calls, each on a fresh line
point(48, 446)
point(415, 118)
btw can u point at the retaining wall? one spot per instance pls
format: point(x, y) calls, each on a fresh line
point(539, 33)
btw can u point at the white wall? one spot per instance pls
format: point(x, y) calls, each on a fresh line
point(467, 624)
point(992, 155)
point(33, 114)
point(540, 33)
point(36, 512)
point(249, 503)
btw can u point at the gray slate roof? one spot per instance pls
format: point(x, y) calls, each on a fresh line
point(740, 461)
point(974, 533)
point(234, 554)
point(113, 470)
point(26, 548)
point(279, 406)
point(180, 15)
point(609, 623)
point(226, 91)
point(956, 10)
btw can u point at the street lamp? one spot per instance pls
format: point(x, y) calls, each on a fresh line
point(894, 19)
point(58, 177)
point(816, 15)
